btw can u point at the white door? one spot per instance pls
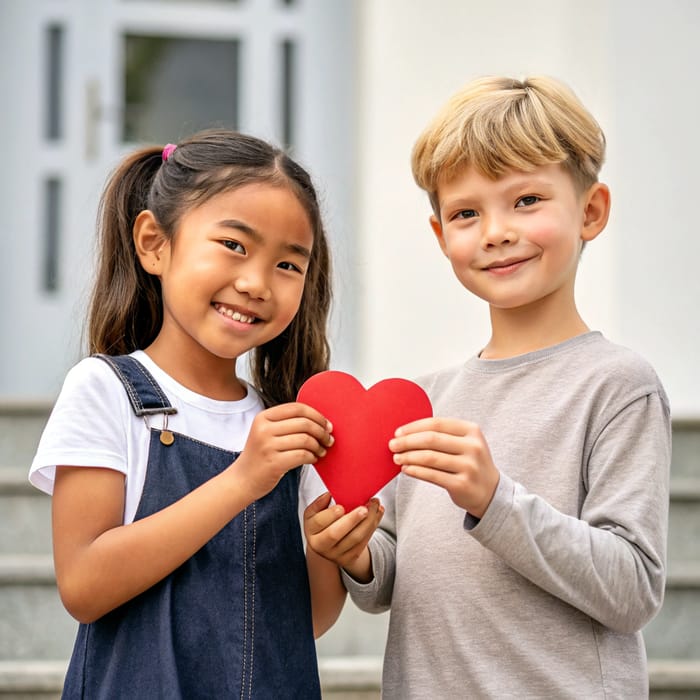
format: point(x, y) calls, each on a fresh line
point(84, 81)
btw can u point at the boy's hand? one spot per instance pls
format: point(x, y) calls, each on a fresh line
point(342, 537)
point(281, 438)
point(452, 454)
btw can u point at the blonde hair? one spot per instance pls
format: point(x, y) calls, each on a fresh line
point(495, 124)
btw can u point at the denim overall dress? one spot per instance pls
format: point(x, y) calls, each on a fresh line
point(233, 621)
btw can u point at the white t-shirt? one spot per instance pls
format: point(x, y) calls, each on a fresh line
point(93, 425)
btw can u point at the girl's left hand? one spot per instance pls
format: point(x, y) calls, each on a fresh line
point(452, 454)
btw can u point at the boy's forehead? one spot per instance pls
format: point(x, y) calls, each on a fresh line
point(469, 175)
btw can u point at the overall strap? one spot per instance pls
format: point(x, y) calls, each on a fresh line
point(146, 397)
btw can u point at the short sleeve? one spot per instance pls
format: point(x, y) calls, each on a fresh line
point(87, 427)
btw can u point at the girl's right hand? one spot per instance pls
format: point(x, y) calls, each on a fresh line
point(281, 438)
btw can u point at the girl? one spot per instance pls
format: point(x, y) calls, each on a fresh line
point(177, 543)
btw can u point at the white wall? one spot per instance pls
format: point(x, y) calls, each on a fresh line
point(633, 64)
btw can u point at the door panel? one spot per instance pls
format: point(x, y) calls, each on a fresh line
point(99, 78)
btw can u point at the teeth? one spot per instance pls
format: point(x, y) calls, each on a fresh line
point(235, 315)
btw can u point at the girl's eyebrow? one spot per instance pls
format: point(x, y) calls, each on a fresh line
point(259, 238)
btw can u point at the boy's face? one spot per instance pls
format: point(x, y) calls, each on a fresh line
point(517, 240)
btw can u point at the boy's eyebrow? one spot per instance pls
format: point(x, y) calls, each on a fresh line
point(259, 238)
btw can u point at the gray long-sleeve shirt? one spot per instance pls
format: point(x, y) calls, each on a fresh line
point(546, 595)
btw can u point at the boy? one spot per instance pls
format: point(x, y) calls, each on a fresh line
point(523, 546)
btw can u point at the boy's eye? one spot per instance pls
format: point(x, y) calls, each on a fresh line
point(235, 246)
point(466, 214)
point(527, 201)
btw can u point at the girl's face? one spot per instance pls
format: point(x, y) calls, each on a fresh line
point(233, 275)
point(516, 241)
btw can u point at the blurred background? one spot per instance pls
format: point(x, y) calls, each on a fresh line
point(346, 86)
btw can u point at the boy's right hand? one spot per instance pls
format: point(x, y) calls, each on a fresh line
point(281, 438)
point(343, 537)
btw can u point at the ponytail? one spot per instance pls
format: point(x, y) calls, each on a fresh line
point(125, 310)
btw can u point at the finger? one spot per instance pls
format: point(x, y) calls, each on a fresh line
point(295, 409)
point(318, 521)
point(437, 442)
point(317, 505)
point(451, 426)
point(301, 425)
point(430, 476)
point(299, 441)
point(356, 527)
point(350, 547)
point(340, 528)
point(291, 459)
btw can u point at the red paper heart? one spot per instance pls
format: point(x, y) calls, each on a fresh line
point(359, 463)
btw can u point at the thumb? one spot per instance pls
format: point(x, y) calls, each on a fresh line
point(316, 506)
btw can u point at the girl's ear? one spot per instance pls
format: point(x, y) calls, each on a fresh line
point(150, 242)
point(596, 211)
point(437, 230)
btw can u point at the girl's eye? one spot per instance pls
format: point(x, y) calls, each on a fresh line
point(235, 246)
point(466, 214)
point(290, 267)
point(527, 201)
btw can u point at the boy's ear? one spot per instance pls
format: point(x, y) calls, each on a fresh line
point(596, 211)
point(437, 230)
point(149, 241)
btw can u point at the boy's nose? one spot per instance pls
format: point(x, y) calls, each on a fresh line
point(496, 231)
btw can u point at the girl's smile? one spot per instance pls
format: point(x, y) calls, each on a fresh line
point(245, 317)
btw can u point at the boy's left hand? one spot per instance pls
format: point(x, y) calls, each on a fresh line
point(452, 454)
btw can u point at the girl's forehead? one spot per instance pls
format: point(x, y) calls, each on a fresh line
point(260, 207)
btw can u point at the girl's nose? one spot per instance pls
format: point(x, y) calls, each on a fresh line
point(254, 284)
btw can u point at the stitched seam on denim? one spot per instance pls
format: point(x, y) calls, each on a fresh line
point(134, 398)
point(149, 378)
point(252, 604)
point(245, 597)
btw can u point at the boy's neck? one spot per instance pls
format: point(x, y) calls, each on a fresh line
point(519, 331)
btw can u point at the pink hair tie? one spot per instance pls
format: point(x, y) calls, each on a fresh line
point(168, 150)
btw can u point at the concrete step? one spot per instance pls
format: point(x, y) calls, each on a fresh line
point(670, 679)
point(675, 632)
point(684, 520)
point(26, 514)
point(34, 625)
point(342, 678)
point(21, 425)
point(686, 449)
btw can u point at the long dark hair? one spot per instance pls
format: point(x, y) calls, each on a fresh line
point(126, 306)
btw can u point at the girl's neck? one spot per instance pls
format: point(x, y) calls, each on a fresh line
point(519, 331)
point(212, 377)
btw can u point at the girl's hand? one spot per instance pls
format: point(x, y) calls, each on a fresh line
point(281, 438)
point(342, 537)
point(452, 454)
